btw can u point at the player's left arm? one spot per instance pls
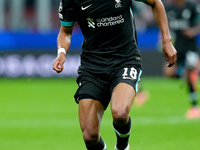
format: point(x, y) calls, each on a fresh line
point(159, 13)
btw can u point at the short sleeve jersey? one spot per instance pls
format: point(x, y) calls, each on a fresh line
point(108, 29)
point(181, 18)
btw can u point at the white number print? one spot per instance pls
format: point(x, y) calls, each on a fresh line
point(132, 74)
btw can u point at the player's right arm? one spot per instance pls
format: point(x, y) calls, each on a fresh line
point(67, 18)
point(63, 44)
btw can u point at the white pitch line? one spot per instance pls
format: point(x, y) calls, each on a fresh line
point(164, 120)
point(105, 122)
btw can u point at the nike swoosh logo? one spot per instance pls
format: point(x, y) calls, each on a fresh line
point(84, 8)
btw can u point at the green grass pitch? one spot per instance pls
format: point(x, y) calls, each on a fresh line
point(40, 114)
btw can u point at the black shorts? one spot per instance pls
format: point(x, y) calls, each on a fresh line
point(99, 86)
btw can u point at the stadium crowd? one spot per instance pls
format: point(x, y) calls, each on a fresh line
point(28, 14)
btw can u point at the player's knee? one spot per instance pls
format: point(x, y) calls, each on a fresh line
point(120, 116)
point(90, 136)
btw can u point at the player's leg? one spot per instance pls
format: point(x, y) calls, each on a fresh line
point(90, 116)
point(121, 101)
point(170, 72)
point(192, 80)
point(124, 89)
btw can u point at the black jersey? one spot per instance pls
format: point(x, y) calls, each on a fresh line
point(181, 18)
point(108, 30)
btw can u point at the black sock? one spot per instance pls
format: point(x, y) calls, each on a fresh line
point(193, 94)
point(193, 98)
point(122, 134)
point(99, 146)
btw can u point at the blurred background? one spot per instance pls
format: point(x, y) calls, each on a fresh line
point(28, 32)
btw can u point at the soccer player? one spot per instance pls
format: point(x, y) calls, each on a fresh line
point(184, 21)
point(110, 62)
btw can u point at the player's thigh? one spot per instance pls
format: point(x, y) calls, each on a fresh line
point(90, 114)
point(122, 98)
point(125, 88)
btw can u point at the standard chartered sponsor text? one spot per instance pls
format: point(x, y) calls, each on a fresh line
point(111, 21)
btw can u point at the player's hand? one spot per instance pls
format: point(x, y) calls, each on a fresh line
point(58, 64)
point(169, 53)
